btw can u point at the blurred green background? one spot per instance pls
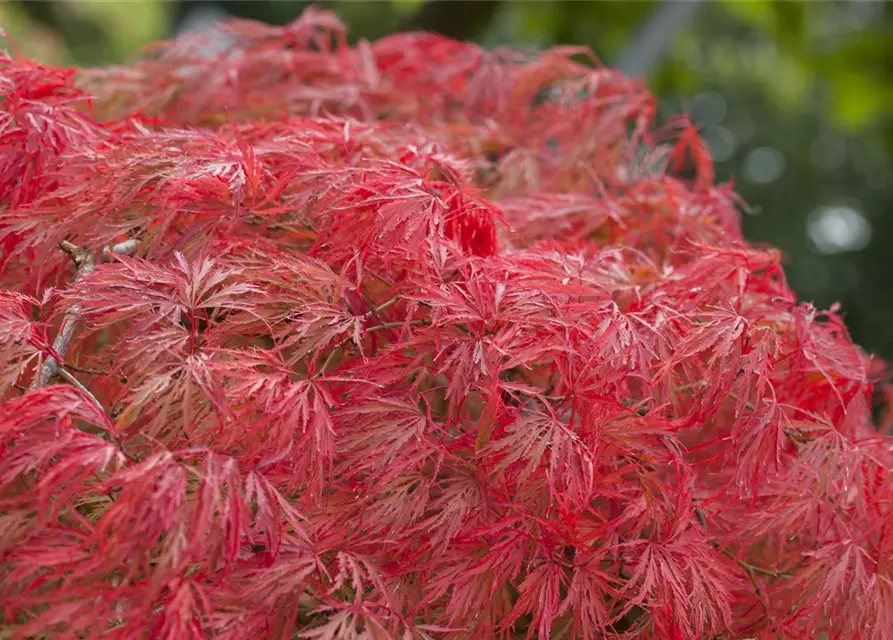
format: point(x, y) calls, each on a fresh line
point(795, 100)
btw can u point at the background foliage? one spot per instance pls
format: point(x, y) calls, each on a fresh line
point(794, 98)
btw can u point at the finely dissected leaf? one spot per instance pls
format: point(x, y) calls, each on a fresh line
point(22, 342)
point(409, 339)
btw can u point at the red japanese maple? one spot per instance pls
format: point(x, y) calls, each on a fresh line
point(409, 340)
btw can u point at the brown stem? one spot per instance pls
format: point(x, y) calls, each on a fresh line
point(751, 569)
point(74, 382)
point(126, 248)
point(85, 265)
point(90, 372)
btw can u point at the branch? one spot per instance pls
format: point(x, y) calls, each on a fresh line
point(378, 327)
point(74, 382)
point(79, 369)
point(85, 265)
point(751, 569)
point(126, 248)
point(651, 44)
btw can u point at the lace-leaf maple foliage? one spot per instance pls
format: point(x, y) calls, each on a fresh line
point(409, 339)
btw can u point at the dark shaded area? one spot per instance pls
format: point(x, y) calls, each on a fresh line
point(459, 19)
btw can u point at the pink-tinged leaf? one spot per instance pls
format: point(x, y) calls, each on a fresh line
point(181, 613)
point(410, 339)
point(683, 580)
point(54, 405)
point(539, 595)
point(23, 343)
point(539, 437)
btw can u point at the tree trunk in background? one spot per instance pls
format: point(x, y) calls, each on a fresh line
point(652, 42)
point(199, 16)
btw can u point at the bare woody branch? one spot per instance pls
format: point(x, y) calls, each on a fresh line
point(86, 263)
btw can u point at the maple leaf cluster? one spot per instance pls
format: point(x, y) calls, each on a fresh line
point(409, 339)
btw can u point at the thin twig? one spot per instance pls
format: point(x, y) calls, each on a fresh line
point(753, 579)
point(74, 382)
point(751, 569)
point(371, 312)
point(793, 436)
point(383, 305)
point(378, 327)
point(85, 264)
point(325, 365)
point(746, 565)
point(397, 324)
point(91, 372)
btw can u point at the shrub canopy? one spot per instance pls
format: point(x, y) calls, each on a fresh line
point(409, 339)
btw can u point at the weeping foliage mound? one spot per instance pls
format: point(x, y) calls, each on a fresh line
point(409, 340)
